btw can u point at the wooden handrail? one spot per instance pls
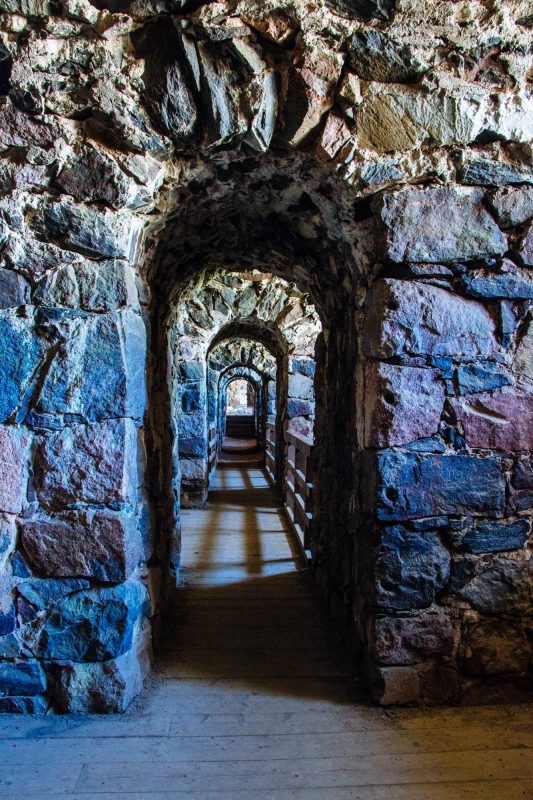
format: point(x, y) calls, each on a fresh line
point(298, 487)
point(212, 448)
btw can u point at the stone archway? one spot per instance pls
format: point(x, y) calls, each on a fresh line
point(389, 183)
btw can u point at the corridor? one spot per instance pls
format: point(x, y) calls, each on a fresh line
point(253, 700)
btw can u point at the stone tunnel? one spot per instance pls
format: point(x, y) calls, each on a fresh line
point(331, 200)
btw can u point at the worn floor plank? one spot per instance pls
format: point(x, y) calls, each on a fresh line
point(253, 698)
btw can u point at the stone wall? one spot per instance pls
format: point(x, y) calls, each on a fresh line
point(377, 156)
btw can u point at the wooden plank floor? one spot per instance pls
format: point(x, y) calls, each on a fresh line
point(253, 699)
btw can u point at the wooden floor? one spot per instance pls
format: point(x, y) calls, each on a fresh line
point(253, 699)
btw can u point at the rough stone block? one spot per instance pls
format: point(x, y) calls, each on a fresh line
point(363, 9)
point(99, 373)
point(410, 569)
point(193, 471)
point(21, 353)
point(301, 387)
point(472, 378)
point(14, 290)
point(14, 454)
point(24, 705)
point(192, 446)
point(396, 685)
point(303, 366)
point(522, 500)
point(493, 537)
point(502, 420)
point(410, 485)
point(191, 425)
point(299, 408)
point(88, 464)
point(526, 248)
point(513, 206)
point(101, 545)
point(94, 176)
point(101, 286)
point(37, 595)
point(106, 687)
point(375, 57)
point(505, 587)
point(408, 640)
point(437, 224)
point(407, 318)
point(91, 625)
point(8, 538)
point(400, 404)
point(511, 282)
point(482, 172)
point(101, 234)
point(22, 678)
point(494, 648)
point(33, 258)
point(523, 474)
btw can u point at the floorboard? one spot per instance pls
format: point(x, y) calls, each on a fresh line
point(253, 697)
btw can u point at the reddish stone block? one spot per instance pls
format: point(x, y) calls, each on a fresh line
point(502, 421)
point(400, 404)
point(407, 640)
point(407, 318)
point(88, 464)
point(14, 453)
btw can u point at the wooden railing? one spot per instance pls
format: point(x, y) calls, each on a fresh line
point(270, 449)
point(298, 487)
point(212, 448)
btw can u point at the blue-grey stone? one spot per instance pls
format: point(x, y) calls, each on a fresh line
point(19, 567)
point(192, 445)
point(513, 283)
point(106, 687)
point(428, 524)
point(363, 9)
point(299, 408)
point(99, 372)
point(431, 444)
point(374, 56)
point(20, 354)
point(481, 172)
point(504, 587)
point(14, 290)
point(410, 569)
point(436, 225)
point(387, 170)
point(91, 625)
point(8, 618)
point(513, 206)
point(34, 596)
point(38, 704)
point(409, 485)
point(44, 421)
point(477, 377)
point(92, 232)
point(92, 286)
point(22, 678)
point(304, 366)
point(493, 537)
point(167, 79)
point(523, 500)
point(191, 371)
point(523, 474)
point(191, 397)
